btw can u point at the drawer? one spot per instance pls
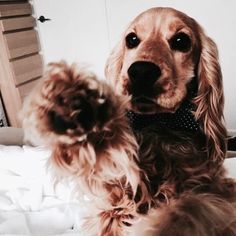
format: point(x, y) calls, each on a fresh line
point(25, 89)
point(22, 43)
point(17, 9)
point(17, 23)
point(26, 69)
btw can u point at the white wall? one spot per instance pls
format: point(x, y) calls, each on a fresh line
point(77, 31)
point(87, 30)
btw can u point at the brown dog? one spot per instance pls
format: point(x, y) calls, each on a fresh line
point(164, 176)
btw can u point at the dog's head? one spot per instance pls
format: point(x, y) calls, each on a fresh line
point(161, 52)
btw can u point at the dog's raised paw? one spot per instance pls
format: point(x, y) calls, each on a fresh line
point(77, 103)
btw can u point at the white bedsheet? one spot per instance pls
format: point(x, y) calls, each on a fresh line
point(29, 204)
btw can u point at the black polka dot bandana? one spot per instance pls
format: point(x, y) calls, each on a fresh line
point(182, 120)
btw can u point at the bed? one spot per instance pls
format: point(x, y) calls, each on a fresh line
point(30, 204)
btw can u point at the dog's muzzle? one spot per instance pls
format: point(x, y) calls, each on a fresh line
point(143, 75)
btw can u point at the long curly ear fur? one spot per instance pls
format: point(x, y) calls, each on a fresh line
point(210, 99)
point(114, 63)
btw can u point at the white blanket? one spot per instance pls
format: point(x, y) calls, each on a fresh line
point(29, 204)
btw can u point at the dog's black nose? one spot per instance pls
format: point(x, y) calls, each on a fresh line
point(144, 73)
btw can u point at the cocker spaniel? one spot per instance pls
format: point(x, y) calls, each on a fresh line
point(146, 148)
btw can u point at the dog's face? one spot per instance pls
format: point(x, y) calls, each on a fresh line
point(159, 58)
point(160, 53)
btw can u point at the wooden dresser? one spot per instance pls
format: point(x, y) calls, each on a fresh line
point(21, 63)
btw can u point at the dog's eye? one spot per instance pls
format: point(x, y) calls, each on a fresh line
point(180, 42)
point(132, 40)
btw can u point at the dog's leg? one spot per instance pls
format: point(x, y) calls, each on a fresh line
point(82, 120)
point(191, 214)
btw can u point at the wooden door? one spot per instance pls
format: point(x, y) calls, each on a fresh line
point(21, 62)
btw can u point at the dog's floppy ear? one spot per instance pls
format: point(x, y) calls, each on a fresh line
point(114, 63)
point(210, 99)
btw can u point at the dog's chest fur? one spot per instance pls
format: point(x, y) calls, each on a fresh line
point(172, 149)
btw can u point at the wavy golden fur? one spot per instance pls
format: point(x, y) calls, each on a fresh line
point(151, 180)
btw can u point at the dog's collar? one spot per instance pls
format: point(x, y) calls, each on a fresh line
point(182, 120)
